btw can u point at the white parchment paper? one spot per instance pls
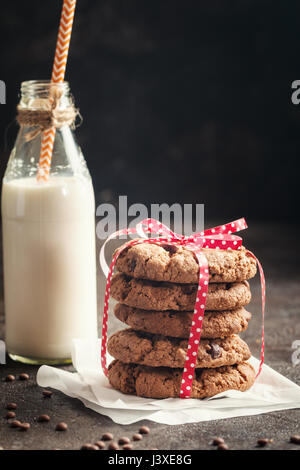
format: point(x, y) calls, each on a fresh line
point(271, 392)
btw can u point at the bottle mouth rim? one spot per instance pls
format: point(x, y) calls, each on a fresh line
point(42, 85)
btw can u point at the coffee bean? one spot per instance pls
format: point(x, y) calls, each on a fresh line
point(15, 424)
point(113, 446)
point(100, 444)
point(223, 447)
point(127, 447)
point(47, 393)
point(10, 378)
point(23, 376)
point(11, 406)
point(24, 426)
point(295, 439)
point(217, 441)
point(144, 430)
point(61, 427)
point(107, 436)
point(124, 440)
point(89, 447)
point(137, 437)
point(263, 442)
point(43, 419)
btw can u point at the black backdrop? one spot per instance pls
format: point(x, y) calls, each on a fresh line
point(183, 101)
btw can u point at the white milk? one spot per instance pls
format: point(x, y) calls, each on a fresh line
point(49, 265)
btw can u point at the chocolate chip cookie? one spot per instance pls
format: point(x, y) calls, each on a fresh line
point(160, 296)
point(163, 382)
point(178, 324)
point(175, 263)
point(156, 350)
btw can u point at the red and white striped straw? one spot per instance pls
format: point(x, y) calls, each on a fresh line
point(58, 75)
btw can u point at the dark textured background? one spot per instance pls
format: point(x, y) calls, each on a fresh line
point(183, 101)
point(171, 92)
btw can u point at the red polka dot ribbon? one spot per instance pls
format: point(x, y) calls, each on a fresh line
point(220, 237)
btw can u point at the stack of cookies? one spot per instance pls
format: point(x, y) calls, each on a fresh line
point(156, 289)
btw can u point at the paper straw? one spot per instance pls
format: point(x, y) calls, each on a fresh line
point(58, 75)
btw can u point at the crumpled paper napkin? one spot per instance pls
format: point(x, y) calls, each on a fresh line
point(271, 392)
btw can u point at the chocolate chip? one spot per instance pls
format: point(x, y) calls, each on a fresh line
point(144, 430)
point(263, 442)
point(127, 447)
point(214, 350)
point(217, 441)
point(137, 437)
point(61, 427)
point(295, 439)
point(132, 265)
point(15, 424)
point(188, 290)
point(124, 440)
point(172, 249)
point(10, 415)
point(47, 393)
point(100, 444)
point(89, 447)
point(10, 378)
point(124, 295)
point(223, 447)
point(107, 437)
point(113, 446)
point(24, 426)
point(11, 406)
point(23, 376)
point(43, 419)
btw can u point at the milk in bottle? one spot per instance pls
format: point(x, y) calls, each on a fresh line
point(48, 243)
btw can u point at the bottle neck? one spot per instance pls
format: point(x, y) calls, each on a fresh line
point(45, 105)
point(44, 94)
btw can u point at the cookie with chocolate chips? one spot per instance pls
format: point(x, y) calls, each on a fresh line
point(175, 263)
point(161, 296)
point(164, 382)
point(178, 324)
point(131, 346)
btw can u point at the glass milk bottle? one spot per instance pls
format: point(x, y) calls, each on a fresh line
point(48, 242)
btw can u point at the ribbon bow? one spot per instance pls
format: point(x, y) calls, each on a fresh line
point(220, 237)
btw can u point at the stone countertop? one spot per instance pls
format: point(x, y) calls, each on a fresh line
point(275, 247)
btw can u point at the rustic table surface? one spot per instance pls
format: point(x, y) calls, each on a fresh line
point(277, 248)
